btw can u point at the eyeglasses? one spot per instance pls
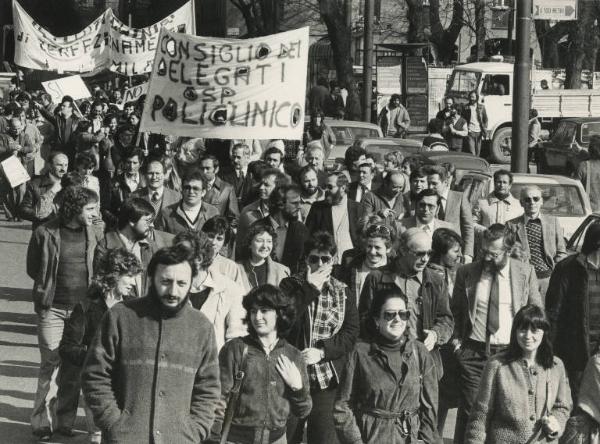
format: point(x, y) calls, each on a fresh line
point(391, 315)
point(314, 259)
point(421, 254)
point(493, 255)
point(532, 199)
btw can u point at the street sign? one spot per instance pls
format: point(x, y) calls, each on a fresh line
point(559, 10)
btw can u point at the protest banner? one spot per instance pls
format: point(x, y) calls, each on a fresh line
point(228, 89)
point(14, 171)
point(106, 43)
point(135, 92)
point(67, 86)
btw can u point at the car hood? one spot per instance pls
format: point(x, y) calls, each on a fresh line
point(570, 224)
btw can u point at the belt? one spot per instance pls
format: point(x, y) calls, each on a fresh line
point(401, 418)
point(481, 346)
point(250, 435)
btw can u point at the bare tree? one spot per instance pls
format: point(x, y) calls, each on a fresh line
point(548, 37)
point(445, 39)
point(583, 42)
point(262, 17)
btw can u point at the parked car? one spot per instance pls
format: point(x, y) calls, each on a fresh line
point(576, 240)
point(567, 147)
point(463, 162)
point(347, 132)
point(564, 197)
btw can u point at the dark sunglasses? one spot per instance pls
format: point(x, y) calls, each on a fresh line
point(391, 315)
point(314, 259)
point(532, 199)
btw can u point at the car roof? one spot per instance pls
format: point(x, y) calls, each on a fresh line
point(581, 119)
point(350, 123)
point(542, 179)
point(492, 67)
point(390, 141)
point(463, 161)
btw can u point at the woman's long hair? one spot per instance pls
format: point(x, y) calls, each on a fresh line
point(531, 316)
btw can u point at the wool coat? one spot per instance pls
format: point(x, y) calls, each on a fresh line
point(509, 404)
point(150, 377)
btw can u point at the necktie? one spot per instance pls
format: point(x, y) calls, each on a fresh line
point(441, 212)
point(493, 322)
point(155, 201)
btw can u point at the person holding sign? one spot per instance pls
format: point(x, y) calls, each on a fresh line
point(65, 125)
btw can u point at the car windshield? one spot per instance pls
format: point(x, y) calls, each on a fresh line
point(559, 200)
point(576, 240)
point(588, 130)
point(347, 134)
point(462, 83)
point(565, 133)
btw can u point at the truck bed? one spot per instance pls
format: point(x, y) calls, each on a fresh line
point(567, 102)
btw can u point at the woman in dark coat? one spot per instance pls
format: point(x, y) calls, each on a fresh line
point(263, 409)
point(390, 391)
point(114, 280)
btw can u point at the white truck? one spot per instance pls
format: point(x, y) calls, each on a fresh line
point(494, 83)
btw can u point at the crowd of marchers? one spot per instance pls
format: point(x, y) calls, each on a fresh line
point(235, 291)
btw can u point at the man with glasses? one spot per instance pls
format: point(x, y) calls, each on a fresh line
point(541, 236)
point(325, 331)
point(155, 192)
point(337, 214)
point(135, 233)
point(190, 213)
point(487, 294)
point(427, 293)
point(426, 207)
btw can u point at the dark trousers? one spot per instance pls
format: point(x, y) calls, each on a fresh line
point(473, 141)
point(69, 388)
point(472, 358)
point(320, 428)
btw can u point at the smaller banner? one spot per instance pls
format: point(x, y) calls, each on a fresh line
point(228, 89)
point(14, 171)
point(67, 86)
point(134, 93)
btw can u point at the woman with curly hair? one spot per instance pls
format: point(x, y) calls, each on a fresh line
point(112, 283)
point(218, 230)
point(255, 262)
point(215, 295)
point(263, 409)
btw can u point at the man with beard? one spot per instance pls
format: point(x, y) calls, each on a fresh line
point(337, 215)
point(427, 293)
point(388, 201)
point(59, 260)
point(38, 203)
point(500, 206)
point(477, 121)
point(136, 234)
point(259, 209)
point(152, 373)
point(284, 209)
point(487, 294)
point(311, 192)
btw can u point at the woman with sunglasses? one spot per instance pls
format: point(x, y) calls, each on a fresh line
point(325, 331)
point(263, 409)
point(390, 391)
point(524, 394)
point(255, 264)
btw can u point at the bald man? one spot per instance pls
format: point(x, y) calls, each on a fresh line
point(428, 299)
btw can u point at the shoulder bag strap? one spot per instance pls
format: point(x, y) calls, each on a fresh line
point(234, 396)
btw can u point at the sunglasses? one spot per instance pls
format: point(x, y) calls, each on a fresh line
point(532, 199)
point(391, 315)
point(314, 259)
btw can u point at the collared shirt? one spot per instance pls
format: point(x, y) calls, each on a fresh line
point(136, 249)
point(359, 190)
point(427, 228)
point(306, 202)
point(506, 208)
point(474, 126)
point(505, 308)
point(411, 286)
point(341, 227)
point(527, 218)
point(281, 231)
point(211, 184)
point(159, 191)
point(132, 181)
point(243, 171)
point(190, 214)
point(444, 199)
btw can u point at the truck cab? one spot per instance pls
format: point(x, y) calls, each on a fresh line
point(493, 81)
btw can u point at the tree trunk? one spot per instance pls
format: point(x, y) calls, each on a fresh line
point(414, 14)
point(445, 39)
point(262, 17)
point(548, 38)
point(479, 29)
point(340, 36)
point(583, 41)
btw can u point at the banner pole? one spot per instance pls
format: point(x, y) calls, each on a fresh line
point(194, 29)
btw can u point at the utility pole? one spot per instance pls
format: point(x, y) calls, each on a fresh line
point(521, 92)
point(369, 14)
point(511, 26)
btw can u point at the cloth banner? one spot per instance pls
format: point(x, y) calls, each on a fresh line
point(228, 89)
point(105, 43)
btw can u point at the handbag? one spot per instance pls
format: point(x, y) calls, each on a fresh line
point(234, 396)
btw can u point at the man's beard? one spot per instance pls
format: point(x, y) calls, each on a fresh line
point(334, 198)
point(492, 267)
point(166, 310)
point(309, 191)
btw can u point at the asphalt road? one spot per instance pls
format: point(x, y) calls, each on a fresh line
point(19, 355)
